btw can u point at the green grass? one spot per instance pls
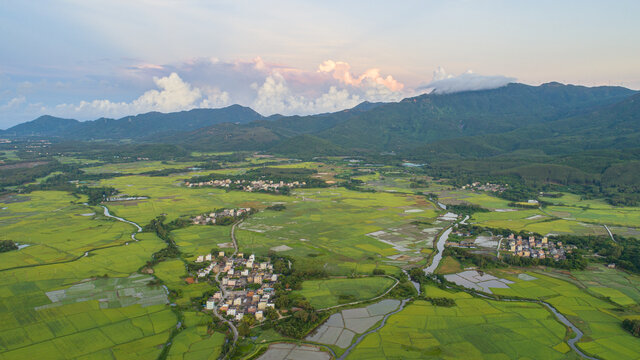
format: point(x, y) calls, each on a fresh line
point(597, 318)
point(473, 329)
point(326, 293)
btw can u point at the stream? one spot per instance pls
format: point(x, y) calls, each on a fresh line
point(430, 270)
point(133, 235)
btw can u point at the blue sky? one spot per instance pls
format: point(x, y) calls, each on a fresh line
point(87, 59)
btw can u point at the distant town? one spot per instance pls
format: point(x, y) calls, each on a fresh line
point(477, 186)
point(249, 185)
point(221, 217)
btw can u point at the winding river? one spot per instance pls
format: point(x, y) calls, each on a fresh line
point(138, 228)
point(430, 270)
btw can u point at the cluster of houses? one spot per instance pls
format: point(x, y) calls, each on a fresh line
point(125, 197)
point(210, 218)
point(537, 248)
point(248, 185)
point(477, 186)
point(246, 285)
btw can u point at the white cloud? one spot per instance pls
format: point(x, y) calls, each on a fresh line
point(173, 94)
point(444, 83)
point(274, 96)
point(341, 71)
point(13, 103)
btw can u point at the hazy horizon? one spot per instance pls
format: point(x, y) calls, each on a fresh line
point(89, 60)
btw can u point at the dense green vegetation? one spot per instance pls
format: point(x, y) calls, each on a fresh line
point(7, 245)
point(632, 326)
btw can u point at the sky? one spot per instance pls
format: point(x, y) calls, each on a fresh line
point(87, 59)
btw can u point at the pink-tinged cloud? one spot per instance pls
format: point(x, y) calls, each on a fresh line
point(149, 67)
point(341, 71)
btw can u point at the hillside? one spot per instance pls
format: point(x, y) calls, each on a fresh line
point(132, 127)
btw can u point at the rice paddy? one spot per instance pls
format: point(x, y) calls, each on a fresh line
point(326, 293)
point(137, 167)
point(596, 317)
point(473, 329)
point(72, 306)
point(195, 342)
point(61, 304)
point(342, 327)
point(59, 227)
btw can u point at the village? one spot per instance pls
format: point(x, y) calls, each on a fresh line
point(221, 217)
point(477, 186)
point(246, 285)
point(249, 186)
point(537, 248)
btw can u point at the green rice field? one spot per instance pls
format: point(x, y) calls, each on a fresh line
point(473, 329)
point(326, 293)
point(195, 342)
point(596, 317)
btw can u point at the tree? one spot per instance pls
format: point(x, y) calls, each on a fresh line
point(243, 329)
point(7, 245)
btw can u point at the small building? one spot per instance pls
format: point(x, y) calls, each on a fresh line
point(200, 259)
point(237, 301)
point(231, 312)
point(208, 257)
point(210, 304)
point(221, 254)
point(259, 315)
point(239, 316)
point(611, 266)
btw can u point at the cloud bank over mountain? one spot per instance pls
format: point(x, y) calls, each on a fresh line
point(267, 87)
point(444, 83)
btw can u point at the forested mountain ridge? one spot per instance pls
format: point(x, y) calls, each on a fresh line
point(559, 118)
point(128, 127)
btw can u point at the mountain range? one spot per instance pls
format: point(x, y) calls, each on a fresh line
point(554, 118)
